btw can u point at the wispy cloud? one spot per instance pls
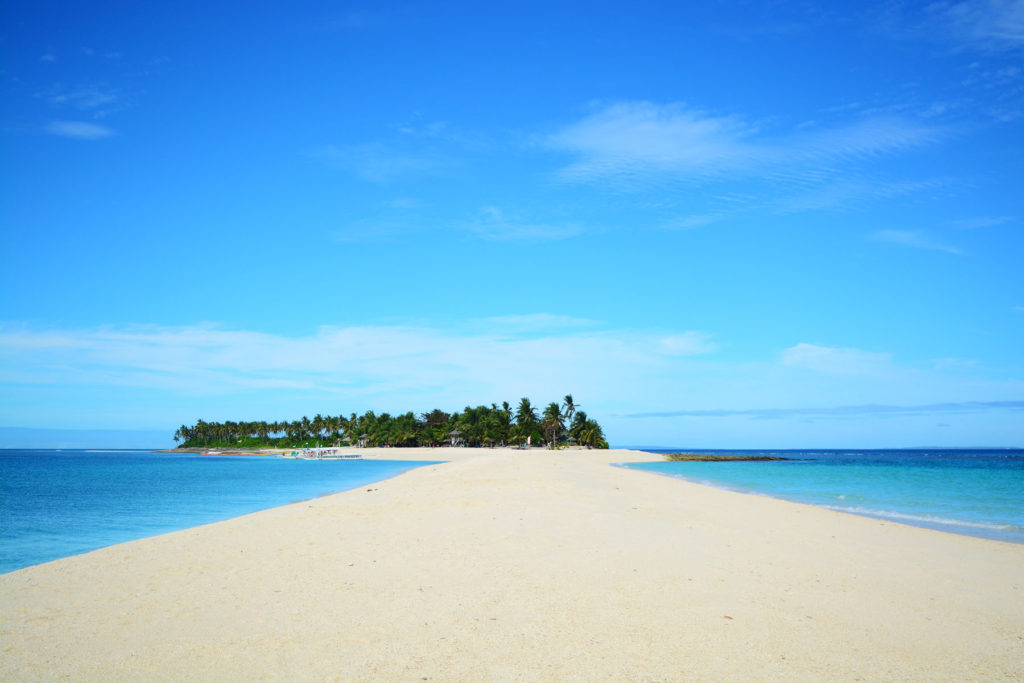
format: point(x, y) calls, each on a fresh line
point(495, 224)
point(687, 344)
point(85, 97)
point(848, 191)
point(79, 130)
point(870, 410)
point(483, 358)
point(986, 24)
point(633, 141)
point(177, 373)
point(489, 223)
point(836, 360)
point(693, 221)
point(983, 222)
point(917, 239)
point(376, 162)
point(641, 137)
point(94, 100)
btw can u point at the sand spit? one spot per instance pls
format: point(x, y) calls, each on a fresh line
point(507, 565)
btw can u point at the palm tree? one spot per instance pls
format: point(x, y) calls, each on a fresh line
point(576, 427)
point(352, 428)
point(553, 423)
point(435, 426)
point(592, 436)
point(526, 419)
point(503, 420)
point(570, 407)
point(488, 425)
point(183, 435)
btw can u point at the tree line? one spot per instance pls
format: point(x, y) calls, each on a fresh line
point(557, 425)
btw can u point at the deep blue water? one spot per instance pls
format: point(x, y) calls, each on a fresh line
point(55, 504)
point(972, 492)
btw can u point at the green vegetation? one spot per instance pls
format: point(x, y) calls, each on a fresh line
point(480, 426)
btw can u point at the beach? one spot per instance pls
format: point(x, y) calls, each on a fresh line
point(525, 565)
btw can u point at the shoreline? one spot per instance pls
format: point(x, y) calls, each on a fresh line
point(503, 565)
point(939, 525)
point(380, 452)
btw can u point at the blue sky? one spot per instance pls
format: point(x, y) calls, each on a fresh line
point(719, 225)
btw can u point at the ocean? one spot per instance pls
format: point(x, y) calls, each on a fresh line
point(56, 504)
point(972, 492)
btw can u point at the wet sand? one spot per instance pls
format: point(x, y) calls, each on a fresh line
point(525, 565)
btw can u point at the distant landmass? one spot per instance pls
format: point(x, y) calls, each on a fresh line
point(704, 457)
point(557, 425)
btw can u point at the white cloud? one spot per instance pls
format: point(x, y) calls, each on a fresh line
point(917, 239)
point(687, 344)
point(547, 354)
point(79, 130)
point(632, 142)
point(834, 360)
point(166, 375)
point(986, 24)
point(85, 97)
point(847, 411)
point(632, 137)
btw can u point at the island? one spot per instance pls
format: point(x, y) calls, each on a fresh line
point(559, 425)
point(705, 457)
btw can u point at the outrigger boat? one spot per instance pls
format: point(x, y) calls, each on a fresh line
point(324, 454)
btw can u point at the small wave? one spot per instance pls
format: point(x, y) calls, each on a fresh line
point(927, 519)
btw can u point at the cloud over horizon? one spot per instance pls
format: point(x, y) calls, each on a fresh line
point(839, 412)
point(482, 359)
point(202, 368)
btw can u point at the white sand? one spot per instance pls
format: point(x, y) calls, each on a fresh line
point(512, 565)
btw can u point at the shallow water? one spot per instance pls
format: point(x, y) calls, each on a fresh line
point(971, 492)
point(55, 504)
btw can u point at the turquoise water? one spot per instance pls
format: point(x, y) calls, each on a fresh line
point(971, 492)
point(55, 504)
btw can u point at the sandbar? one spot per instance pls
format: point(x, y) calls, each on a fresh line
point(510, 565)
